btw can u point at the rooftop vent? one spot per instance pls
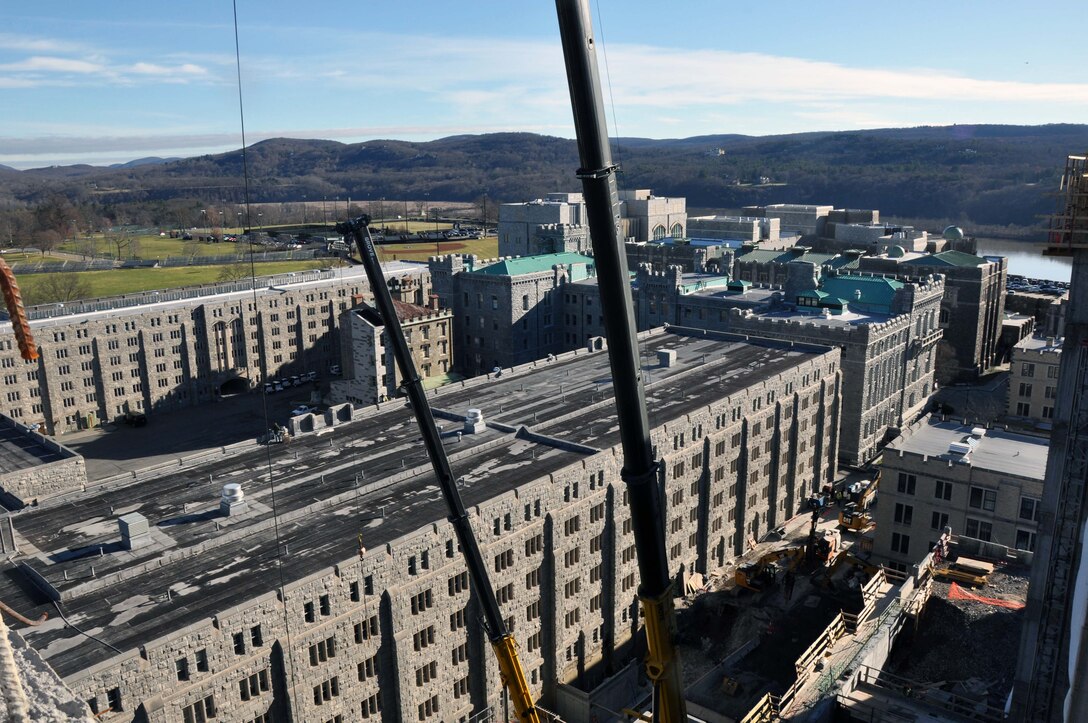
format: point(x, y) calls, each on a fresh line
point(961, 449)
point(474, 422)
point(135, 532)
point(666, 357)
point(978, 432)
point(232, 500)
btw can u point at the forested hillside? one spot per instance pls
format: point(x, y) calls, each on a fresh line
point(975, 175)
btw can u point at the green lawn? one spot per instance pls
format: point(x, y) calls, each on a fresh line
point(484, 248)
point(151, 246)
point(30, 257)
point(127, 281)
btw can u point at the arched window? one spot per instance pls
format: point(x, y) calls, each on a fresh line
point(677, 230)
point(659, 232)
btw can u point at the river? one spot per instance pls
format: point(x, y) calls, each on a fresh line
point(1027, 259)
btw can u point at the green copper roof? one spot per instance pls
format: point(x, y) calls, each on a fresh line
point(709, 282)
point(950, 258)
point(877, 292)
point(535, 264)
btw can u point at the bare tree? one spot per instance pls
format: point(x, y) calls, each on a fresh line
point(122, 241)
point(46, 241)
point(88, 247)
point(235, 271)
point(57, 288)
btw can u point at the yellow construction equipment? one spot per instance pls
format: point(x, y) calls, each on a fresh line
point(966, 571)
point(852, 518)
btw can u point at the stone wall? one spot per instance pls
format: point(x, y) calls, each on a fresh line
point(403, 619)
point(40, 481)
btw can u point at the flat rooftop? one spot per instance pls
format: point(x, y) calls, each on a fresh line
point(998, 451)
point(371, 474)
point(186, 297)
point(1041, 343)
point(21, 449)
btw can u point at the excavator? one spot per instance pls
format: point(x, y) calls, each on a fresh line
point(761, 574)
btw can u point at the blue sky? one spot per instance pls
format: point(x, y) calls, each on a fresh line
point(102, 82)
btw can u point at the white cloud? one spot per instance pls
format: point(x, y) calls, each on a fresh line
point(51, 64)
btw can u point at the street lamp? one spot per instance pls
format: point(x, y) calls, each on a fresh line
point(204, 218)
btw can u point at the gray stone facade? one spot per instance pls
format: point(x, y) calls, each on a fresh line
point(371, 374)
point(156, 356)
point(386, 628)
point(34, 467)
point(992, 494)
point(1033, 379)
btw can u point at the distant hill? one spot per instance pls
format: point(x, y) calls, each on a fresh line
point(149, 161)
point(987, 174)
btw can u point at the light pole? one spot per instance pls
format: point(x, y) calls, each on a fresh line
point(204, 219)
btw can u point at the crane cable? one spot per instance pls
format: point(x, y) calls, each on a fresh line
point(289, 653)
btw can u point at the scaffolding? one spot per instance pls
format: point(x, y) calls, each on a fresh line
point(1052, 671)
point(1069, 224)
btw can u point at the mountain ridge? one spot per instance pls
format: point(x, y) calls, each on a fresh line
point(986, 174)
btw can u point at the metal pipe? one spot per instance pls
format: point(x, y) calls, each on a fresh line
point(640, 469)
point(502, 641)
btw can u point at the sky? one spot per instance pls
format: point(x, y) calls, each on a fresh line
point(108, 82)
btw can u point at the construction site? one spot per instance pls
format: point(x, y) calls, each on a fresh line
point(833, 633)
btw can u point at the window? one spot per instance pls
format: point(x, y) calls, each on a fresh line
point(942, 490)
point(326, 691)
point(900, 543)
point(1025, 540)
point(421, 602)
point(326, 607)
point(1023, 409)
point(308, 611)
point(1029, 510)
point(424, 638)
point(367, 629)
point(239, 643)
point(253, 685)
point(978, 529)
point(368, 668)
point(426, 674)
point(202, 660)
point(181, 667)
point(113, 697)
point(982, 499)
point(322, 650)
point(939, 521)
point(1025, 389)
point(907, 483)
point(904, 514)
point(457, 620)
point(200, 711)
point(428, 707)
point(255, 636)
point(372, 705)
point(1027, 370)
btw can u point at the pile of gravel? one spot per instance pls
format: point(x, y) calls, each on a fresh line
point(961, 640)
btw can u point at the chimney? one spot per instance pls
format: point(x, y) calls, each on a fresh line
point(474, 422)
point(232, 500)
point(800, 276)
point(135, 532)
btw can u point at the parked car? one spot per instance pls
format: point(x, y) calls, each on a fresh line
point(296, 380)
point(136, 419)
point(269, 387)
point(310, 376)
point(334, 369)
point(301, 409)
